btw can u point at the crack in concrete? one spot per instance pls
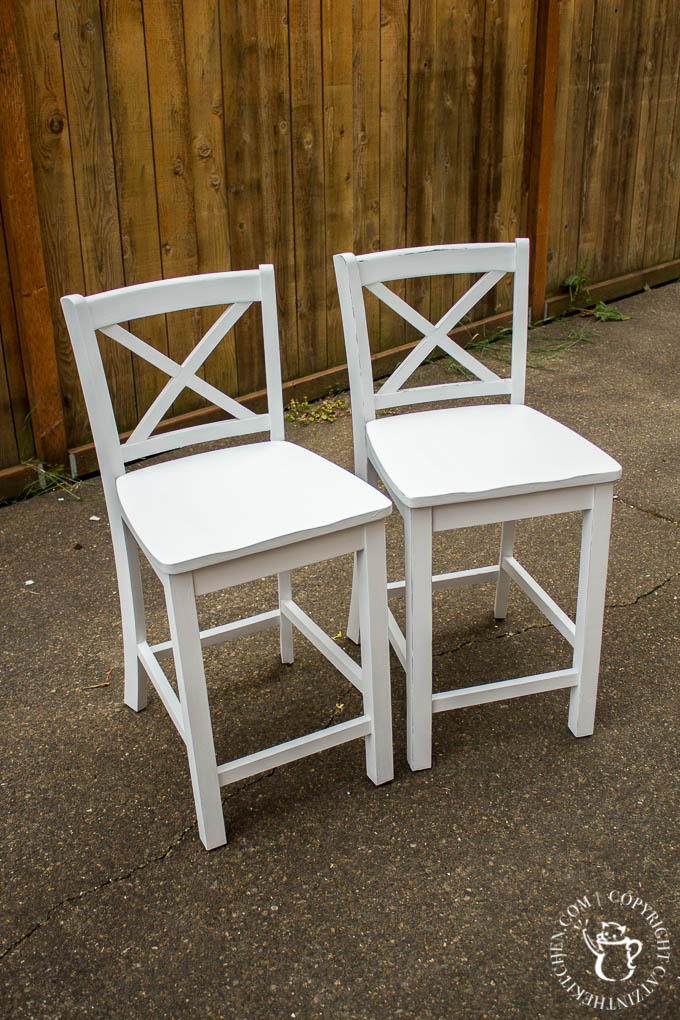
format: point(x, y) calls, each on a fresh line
point(339, 706)
point(95, 888)
point(124, 876)
point(646, 510)
point(645, 594)
point(546, 624)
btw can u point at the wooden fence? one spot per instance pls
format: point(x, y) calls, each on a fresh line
point(164, 138)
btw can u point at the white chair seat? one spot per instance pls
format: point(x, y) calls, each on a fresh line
point(459, 454)
point(216, 506)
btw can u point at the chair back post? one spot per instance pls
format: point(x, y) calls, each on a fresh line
point(95, 387)
point(359, 364)
point(272, 356)
point(520, 320)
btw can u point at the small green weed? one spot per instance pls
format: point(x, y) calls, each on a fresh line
point(327, 409)
point(608, 313)
point(51, 477)
point(577, 283)
point(498, 344)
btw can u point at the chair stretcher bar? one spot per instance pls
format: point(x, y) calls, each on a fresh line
point(291, 750)
point(323, 643)
point(505, 689)
point(540, 598)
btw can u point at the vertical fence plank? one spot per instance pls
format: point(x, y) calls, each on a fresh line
point(123, 29)
point(393, 151)
point(9, 446)
point(447, 63)
point(542, 145)
point(652, 39)
point(664, 181)
point(338, 170)
point(15, 426)
point(40, 51)
point(164, 35)
point(509, 26)
point(366, 151)
point(422, 125)
point(206, 118)
point(308, 182)
point(243, 135)
point(491, 123)
point(597, 206)
point(516, 89)
point(458, 68)
point(623, 126)
point(25, 253)
point(80, 31)
point(13, 407)
point(571, 113)
point(255, 63)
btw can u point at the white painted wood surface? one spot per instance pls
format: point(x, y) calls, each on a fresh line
point(220, 504)
point(462, 466)
point(456, 454)
point(225, 517)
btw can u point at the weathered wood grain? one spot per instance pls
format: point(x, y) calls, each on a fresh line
point(458, 59)
point(366, 138)
point(664, 176)
point(25, 254)
point(503, 129)
point(422, 125)
point(542, 146)
point(16, 437)
point(625, 110)
point(338, 169)
point(206, 121)
point(80, 31)
point(308, 182)
point(394, 28)
point(9, 445)
point(41, 58)
point(255, 62)
point(652, 32)
point(572, 87)
point(174, 137)
point(123, 28)
point(597, 208)
point(164, 35)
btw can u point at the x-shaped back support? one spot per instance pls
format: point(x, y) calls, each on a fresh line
point(436, 335)
point(182, 376)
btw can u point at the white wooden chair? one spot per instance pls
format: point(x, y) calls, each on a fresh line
point(454, 467)
point(222, 517)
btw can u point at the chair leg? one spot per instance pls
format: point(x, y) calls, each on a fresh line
point(132, 614)
point(500, 608)
point(353, 623)
point(590, 610)
point(375, 653)
point(193, 696)
point(418, 556)
point(285, 626)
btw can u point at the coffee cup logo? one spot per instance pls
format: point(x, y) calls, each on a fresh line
point(614, 951)
point(610, 951)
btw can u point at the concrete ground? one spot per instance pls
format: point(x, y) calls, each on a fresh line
point(437, 895)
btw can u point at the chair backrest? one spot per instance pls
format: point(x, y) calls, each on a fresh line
point(105, 313)
point(372, 271)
